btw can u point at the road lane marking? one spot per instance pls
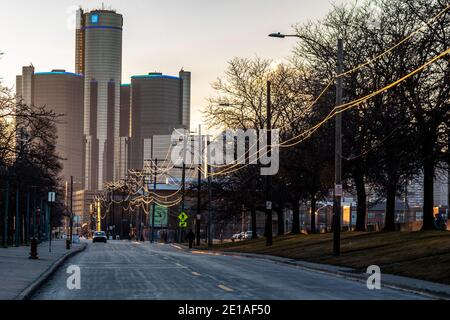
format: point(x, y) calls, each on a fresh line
point(178, 264)
point(204, 252)
point(225, 288)
point(178, 247)
point(195, 273)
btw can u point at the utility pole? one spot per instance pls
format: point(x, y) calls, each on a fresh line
point(154, 204)
point(27, 219)
point(199, 182)
point(210, 224)
point(17, 221)
point(337, 155)
point(69, 242)
point(183, 186)
point(199, 203)
point(5, 217)
point(269, 177)
point(112, 214)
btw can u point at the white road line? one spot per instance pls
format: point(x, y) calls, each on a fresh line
point(225, 288)
point(178, 264)
point(195, 273)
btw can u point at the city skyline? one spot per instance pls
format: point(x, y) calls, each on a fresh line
point(204, 55)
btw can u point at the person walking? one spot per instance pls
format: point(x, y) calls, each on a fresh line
point(190, 236)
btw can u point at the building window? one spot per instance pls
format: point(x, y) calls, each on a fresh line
point(94, 18)
point(419, 216)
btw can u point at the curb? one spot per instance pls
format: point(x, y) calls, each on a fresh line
point(34, 286)
point(345, 275)
point(350, 275)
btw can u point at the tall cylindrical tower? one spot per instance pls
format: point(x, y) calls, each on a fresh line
point(156, 109)
point(102, 76)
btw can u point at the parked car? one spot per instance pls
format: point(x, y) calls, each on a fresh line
point(235, 236)
point(248, 235)
point(99, 236)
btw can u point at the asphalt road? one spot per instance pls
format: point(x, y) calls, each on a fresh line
point(130, 270)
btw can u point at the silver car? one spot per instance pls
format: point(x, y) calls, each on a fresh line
point(99, 236)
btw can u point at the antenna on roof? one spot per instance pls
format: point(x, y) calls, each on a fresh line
point(103, 6)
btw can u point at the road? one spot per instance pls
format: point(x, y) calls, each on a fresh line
point(131, 270)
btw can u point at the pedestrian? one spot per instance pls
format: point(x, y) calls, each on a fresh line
point(190, 236)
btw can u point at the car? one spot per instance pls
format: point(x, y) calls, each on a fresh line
point(99, 236)
point(248, 235)
point(235, 236)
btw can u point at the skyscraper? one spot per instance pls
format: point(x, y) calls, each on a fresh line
point(99, 58)
point(61, 92)
point(157, 108)
point(125, 118)
point(185, 76)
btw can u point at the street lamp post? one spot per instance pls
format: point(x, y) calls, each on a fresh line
point(338, 144)
point(51, 200)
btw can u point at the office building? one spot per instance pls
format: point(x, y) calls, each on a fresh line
point(159, 104)
point(125, 118)
point(185, 76)
point(99, 58)
point(61, 92)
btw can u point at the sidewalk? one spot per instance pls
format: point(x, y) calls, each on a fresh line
point(432, 289)
point(19, 275)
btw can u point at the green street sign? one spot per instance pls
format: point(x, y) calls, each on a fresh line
point(161, 216)
point(182, 224)
point(183, 217)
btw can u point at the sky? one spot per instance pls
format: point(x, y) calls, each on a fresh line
point(200, 36)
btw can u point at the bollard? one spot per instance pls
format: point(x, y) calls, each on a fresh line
point(33, 249)
point(67, 244)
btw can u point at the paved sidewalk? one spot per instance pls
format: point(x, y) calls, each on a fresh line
point(18, 273)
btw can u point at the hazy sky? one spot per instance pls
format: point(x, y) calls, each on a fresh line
point(159, 35)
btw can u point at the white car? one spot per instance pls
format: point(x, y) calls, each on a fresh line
point(248, 235)
point(235, 236)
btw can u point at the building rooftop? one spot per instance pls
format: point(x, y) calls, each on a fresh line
point(154, 75)
point(57, 72)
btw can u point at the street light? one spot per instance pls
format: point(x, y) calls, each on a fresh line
point(337, 145)
point(281, 35)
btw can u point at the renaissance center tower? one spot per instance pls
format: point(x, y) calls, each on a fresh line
point(99, 59)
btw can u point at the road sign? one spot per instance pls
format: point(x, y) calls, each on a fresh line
point(338, 190)
point(183, 216)
point(161, 216)
point(51, 196)
point(182, 224)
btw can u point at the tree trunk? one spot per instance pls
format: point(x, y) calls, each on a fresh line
point(295, 218)
point(428, 192)
point(253, 217)
point(280, 220)
point(361, 203)
point(313, 214)
point(389, 220)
